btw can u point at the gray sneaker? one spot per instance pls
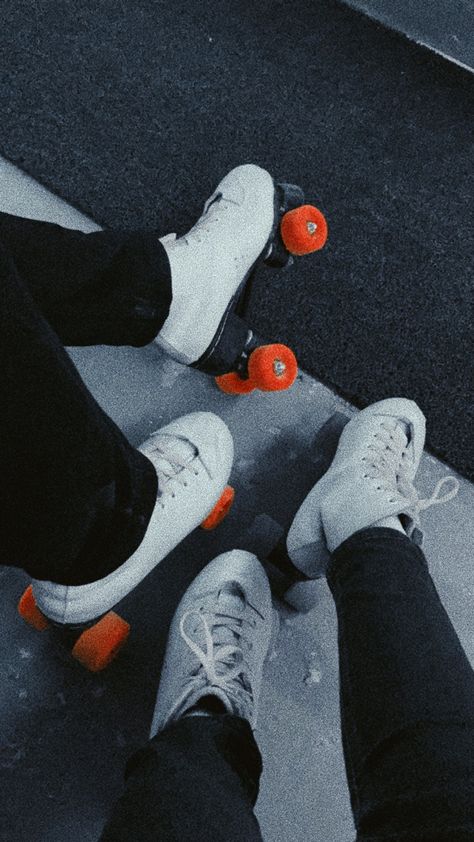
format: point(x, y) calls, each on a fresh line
point(218, 641)
point(370, 479)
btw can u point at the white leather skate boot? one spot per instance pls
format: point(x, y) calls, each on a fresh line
point(211, 263)
point(370, 482)
point(192, 457)
point(218, 641)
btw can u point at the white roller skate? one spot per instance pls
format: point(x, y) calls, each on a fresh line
point(192, 457)
point(248, 220)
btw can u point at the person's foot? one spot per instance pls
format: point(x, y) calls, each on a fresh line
point(193, 458)
point(218, 641)
point(369, 483)
point(210, 264)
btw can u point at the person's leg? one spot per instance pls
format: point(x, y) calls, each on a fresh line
point(66, 287)
point(198, 777)
point(80, 506)
point(76, 497)
point(407, 689)
point(119, 288)
point(102, 288)
point(407, 694)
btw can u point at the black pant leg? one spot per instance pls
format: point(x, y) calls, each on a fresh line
point(197, 781)
point(407, 695)
point(76, 497)
point(107, 287)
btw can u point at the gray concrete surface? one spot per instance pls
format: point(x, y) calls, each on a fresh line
point(446, 28)
point(65, 734)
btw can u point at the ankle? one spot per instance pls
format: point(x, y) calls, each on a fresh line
point(392, 522)
point(207, 706)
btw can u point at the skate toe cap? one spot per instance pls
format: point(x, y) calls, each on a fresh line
point(212, 439)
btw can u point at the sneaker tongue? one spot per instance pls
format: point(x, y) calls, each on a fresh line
point(182, 448)
point(397, 423)
point(231, 598)
point(231, 603)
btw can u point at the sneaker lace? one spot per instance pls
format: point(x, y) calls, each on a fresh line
point(171, 469)
point(221, 665)
point(388, 462)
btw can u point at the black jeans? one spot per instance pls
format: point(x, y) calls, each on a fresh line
point(76, 497)
point(407, 716)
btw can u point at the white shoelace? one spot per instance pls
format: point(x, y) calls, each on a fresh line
point(221, 665)
point(171, 469)
point(388, 463)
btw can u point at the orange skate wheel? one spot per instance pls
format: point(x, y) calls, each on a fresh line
point(28, 609)
point(233, 384)
point(304, 230)
point(272, 368)
point(97, 646)
point(220, 510)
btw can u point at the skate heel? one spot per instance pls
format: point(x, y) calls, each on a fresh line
point(220, 510)
point(301, 228)
point(288, 583)
point(94, 646)
point(302, 595)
